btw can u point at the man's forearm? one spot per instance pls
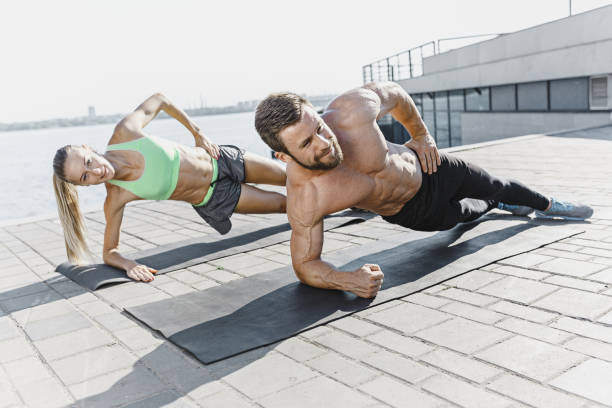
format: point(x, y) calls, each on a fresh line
point(408, 115)
point(324, 275)
point(399, 104)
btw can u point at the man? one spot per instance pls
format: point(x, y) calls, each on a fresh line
point(340, 159)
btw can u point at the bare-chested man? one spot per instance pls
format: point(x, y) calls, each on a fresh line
point(340, 159)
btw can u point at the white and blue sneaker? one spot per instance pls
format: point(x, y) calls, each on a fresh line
point(521, 210)
point(566, 210)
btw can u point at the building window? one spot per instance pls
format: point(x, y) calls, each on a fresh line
point(418, 101)
point(532, 96)
point(442, 132)
point(456, 100)
point(477, 99)
point(599, 92)
point(428, 113)
point(457, 106)
point(569, 94)
point(503, 98)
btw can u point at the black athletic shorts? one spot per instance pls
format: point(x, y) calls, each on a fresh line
point(227, 187)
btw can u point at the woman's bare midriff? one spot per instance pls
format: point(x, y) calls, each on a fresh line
point(195, 175)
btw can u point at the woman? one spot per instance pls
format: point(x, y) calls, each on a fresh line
point(136, 167)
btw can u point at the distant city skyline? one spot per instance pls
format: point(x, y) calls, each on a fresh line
point(66, 55)
point(91, 118)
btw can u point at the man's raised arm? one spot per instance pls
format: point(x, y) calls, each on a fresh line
point(394, 100)
point(306, 246)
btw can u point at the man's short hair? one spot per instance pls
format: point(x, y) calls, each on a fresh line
point(275, 113)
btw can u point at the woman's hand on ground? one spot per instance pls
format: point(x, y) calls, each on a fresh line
point(205, 143)
point(427, 151)
point(141, 273)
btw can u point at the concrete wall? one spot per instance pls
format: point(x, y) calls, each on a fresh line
point(484, 126)
point(580, 45)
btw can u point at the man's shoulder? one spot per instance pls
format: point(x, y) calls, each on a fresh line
point(305, 203)
point(352, 107)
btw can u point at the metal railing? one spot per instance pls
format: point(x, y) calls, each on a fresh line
point(405, 64)
point(409, 63)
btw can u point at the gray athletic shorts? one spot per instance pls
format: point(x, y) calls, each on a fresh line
point(218, 210)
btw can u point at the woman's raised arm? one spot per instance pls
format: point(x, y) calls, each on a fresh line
point(131, 126)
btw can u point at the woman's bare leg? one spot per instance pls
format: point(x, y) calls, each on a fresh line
point(260, 170)
point(254, 200)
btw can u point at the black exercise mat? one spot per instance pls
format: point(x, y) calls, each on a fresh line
point(262, 309)
point(167, 258)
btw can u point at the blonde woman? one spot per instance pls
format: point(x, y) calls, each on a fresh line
point(137, 166)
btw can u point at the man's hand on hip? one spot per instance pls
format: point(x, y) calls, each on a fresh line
point(367, 281)
point(426, 149)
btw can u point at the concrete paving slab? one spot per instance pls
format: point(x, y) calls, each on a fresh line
point(590, 347)
point(54, 326)
point(531, 358)
point(83, 366)
point(397, 394)
point(317, 392)
point(576, 283)
point(341, 369)
point(578, 303)
point(401, 317)
point(117, 388)
point(45, 393)
point(398, 366)
point(26, 370)
point(166, 399)
point(533, 394)
point(16, 348)
point(269, 375)
point(460, 365)
point(534, 330)
point(400, 344)
point(523, 312)
point(463, 335)
point(474, 280)
point(423, 299)
point(525, 260)
point(591, 379)
point(298, 349)
point(570, 267)
point(520, 272)
point(53, 348)
point(464, 394)
point(476, 299)
point(28, 301)
point(584, 328)
point(356, 327)
point(518, 289)
point(472, 312)
point(346, 344)
point(227, 399)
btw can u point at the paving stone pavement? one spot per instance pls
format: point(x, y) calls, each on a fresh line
point(533, 330)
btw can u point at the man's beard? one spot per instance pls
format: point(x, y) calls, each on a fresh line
point(337, 155)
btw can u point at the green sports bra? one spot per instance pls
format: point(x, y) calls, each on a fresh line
point(161, 170)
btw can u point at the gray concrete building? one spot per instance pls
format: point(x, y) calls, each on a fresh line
point(550, 77)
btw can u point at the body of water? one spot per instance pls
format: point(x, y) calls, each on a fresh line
point(26, 158)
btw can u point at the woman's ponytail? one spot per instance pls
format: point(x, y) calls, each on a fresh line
point(69, 212)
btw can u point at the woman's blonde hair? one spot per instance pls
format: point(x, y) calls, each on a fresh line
point(69, 212)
